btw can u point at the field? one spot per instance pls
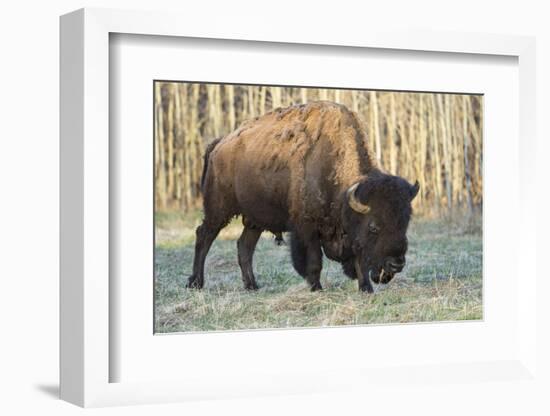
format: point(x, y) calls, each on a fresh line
point(441, 282)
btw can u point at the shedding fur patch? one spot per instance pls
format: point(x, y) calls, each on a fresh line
point(316, 142)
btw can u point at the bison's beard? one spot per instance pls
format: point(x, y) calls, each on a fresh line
point(380, 275)
point(375, 273)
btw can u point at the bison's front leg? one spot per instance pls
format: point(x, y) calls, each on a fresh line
point(314, 264)
point(363, 278)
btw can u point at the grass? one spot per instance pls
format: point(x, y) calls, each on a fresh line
point(442, 282)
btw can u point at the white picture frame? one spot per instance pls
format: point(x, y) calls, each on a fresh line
point(85, 266)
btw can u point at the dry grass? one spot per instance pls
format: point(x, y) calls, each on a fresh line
point(442, 282)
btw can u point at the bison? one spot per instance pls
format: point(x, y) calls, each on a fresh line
point(307, 170)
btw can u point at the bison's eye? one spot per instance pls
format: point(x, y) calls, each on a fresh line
point(373, 229)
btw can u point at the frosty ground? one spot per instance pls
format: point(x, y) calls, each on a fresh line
point(441, 282)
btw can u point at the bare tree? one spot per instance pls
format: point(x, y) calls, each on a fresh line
point(435, 138)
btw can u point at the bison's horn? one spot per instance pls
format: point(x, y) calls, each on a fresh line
point(354, 202)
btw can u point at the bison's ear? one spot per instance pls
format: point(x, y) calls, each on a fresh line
point(414, 190)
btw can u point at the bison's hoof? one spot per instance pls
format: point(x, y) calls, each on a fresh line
point(316, 287)
point(194, 283)
point(366, 289)
point(251, 286)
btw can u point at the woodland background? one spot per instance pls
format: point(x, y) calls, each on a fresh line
point(433, 137)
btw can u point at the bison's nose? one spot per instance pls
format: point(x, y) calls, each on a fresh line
point(395, 264)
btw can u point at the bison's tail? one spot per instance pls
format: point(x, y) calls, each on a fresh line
point(298, 254)
point(279, 240)
point(207, 152)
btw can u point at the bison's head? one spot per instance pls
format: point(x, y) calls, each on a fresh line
point(376, 216)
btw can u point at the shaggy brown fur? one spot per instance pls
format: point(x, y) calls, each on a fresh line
point(289, 170)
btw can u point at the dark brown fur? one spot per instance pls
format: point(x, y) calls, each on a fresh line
point(289, 170)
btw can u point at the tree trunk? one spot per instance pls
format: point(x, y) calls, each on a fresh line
point(467, 174)
point(391, 125)
point(161, 183)
point(444, 141)
point(374, 123)
point(230, 98)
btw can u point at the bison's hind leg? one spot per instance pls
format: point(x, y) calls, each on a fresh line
point(219, 208)
point(206, 233)
point(245, 247)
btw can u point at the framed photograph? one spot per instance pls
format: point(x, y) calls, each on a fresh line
point(282, 213)
point(287, 167)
